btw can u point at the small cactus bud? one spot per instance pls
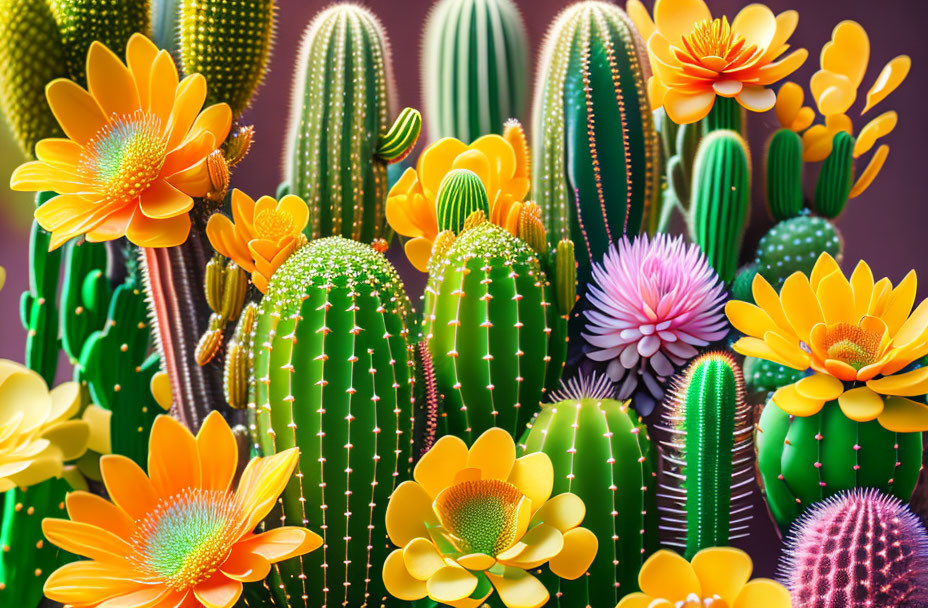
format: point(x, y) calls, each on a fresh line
point(236, 373)
point(565, 276)
point(396, 144)
point(531, 229)
point(459, 195)
point(208, 346)
point(218, 169)
point(514, 133)
point(474, 219)
point(238, 144)
point(234, 289)
point(213, 282)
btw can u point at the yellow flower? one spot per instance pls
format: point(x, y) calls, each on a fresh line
point(37, 434)
point(855, 335)
point(264, 233)
point(695, 57)
point(135, 154)
point(502, 163)
point(178, 536)
point(474, 520)
point(718, 577)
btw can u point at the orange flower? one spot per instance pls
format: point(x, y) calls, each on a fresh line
point(264, 233)
point(135, 153)
point(179, 537)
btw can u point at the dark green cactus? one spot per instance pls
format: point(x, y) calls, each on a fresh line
point(595, 147)
point(707, 459)
point(496, 336)
point(85, 294)
point(339, 113)
point(805, 460)
point(741, 287)
point(726, 114)
point(601, 452)
point(784, 175)
point(461, 193)
point(761, 375)
point(475, 72)
point(795, 245)
point(721, 199)
point(229, 43)
point(333, 374)
point(836, 177)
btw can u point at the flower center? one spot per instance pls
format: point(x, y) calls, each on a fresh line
point(693, 601)
point(273, 225)
point(483, 515)
point(853, 345)
point(125, 157)
point(713, 39)
point(187, 537)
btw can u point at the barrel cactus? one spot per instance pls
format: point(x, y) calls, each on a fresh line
point(475, 59)
point(794, 245)
point(332, 375)
point(340, 139)
point(784, 175)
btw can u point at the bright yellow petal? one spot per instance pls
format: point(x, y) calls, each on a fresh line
point(282, 543)
point(861, 404)
point(763, 593)
point(110, 81)
point(437, 468)
point(408, 512)
point(128, 486)
point(667, 575)
point(800, 304)
point(539, 544)
point(909, 384)
point(422, 559)
point(59, 152)
point(722, 571)
point(188, 100)
point(140, 54)
point(221, 234)
point(86, 540)
point(218, 591)
point(419, 251)
point(218, 453)
point(902, 415)
point(635, 600)
point(451, 583)
point(147, 232)
point(85, 582)
point(817, 143)
point(833, 93)
point(880, 126)
point(890, 78)
point(761, 99)
point(803, 120)
point(674, 19)
point(820, 387)
point(757, 24)
point(533, 475)
point(162, 201)
point(575, 558)
point(824, 266)
point(519, 589)
point(862, 284)
point(297, 209)
point(398, 581)
point(75, 110)
point(216, 119)
point(789, 102)
point(640, 17)
point(683, 108)
point(564, 511)
point(900, 302)
point(848, 52)
point(435, 161)
point(749, 319)
point(836, 299)
point(756, 347)
point(262, 483)
point(788, 399)
point(494, 453)
point(164, 83)
point(869, 174)
point(96, 511)
point(788, 350)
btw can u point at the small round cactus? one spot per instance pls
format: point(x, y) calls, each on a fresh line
point(764, 375)
point(794, 245)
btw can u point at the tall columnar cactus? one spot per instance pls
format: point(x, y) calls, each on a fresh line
point(85, 294)
point(721, 199)
point(340, 138)
point(805, 460)
point(836, 177)
point(794, 245)
point(707, 458)
point(496, 336)
point(475, 72)
point(229, 43)
point(601, 452)
point(784, 175)
point(595, 147)
point(333, 374)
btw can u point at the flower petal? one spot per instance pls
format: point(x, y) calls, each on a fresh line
point(880, 126)
point(278, 544)
point(437, 468)
point(164, 77)
point(820, 387)
point(422, 559)
point(451, 583)
point(94, 510)
point(162, 201)
point(763, 593)
point(75, 110)
point(902, 415)
point(539, 544)
point(173, 460)
point(147, 232)
point(674, 19)
point(408, 513)
point(140, 54)
point(218, 591)
point(216, 119)
point(533, 474)
point(788, 399)
point(722, 571)
point(757, 98)
point(519, 589)
point(757, 24)
point(749, 319)
point(86, 540)
point(110, 82)
point(635, 600)
point(494, 453)
point(262, 483)
point(861, 404)
point(848, 52)
point(576, 557)
point(891, 76)
point(869, 174)
point(245, 567)
point(564, 511)
point(909, 384)
point(899, 305)
point(218, 453)
point(89, 582)
point(800, 305)
point(128, 486)
point(685, 108)
point(399, 583)
point(667, 575)
point(188, 101)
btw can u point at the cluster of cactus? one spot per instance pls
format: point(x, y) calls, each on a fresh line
point(332, 375)
point(707, 465)
point(678, 148)
point(340, 139)
point(794, 245)
point(474, 67)
point(601, 452)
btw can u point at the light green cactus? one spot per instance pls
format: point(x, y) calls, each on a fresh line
point(460, 193)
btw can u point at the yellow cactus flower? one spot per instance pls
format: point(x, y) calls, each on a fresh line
point(855, 335)
point(179, 536)
point(501, 162)
point(474, 520)
point(37, 434)
point(695, 58)
point(136, 150)
point(263, 234)
point(718, 577)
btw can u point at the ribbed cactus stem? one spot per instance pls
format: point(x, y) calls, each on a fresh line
point(85, 294)
point(784, 174)
point(726, 114)
point(475, 67)
point(836, 177)
point(165, 24)
point(460, 194)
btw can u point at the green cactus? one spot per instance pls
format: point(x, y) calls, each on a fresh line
point(741, 287)
point(460, 193)
point(726, 114)
point(31, 56)
point(165, 24)
point(229, 43)
point(428, 403)
point(496, 337)
point(595, 147)
point(475, 59)
point(806, 460)
point(333, 374)
point(679, 144)
point(784, 175)
point(794, 245)
point(721, 199)
point(836, 177)
point(601, 452)
point(707, 458)
point(85, 294)
point(336, 158)
point(761, 375)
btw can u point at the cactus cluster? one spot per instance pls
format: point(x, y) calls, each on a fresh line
point(794, 245)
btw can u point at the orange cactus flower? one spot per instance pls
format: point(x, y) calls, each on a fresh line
point(179, 536)
point(135, 154)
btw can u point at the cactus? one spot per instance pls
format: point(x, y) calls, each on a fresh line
point(496, 337)
point(337, 154)
point(333, 375)
point(860, 548)
point(741, 287)
point(238, 360)
point(165, 24)
point(805, 460)
point(761, 375)
point(601, 452)
point(460, 193)
point(679, 144)
point(229, 43)
point(726, 114)
point(475, 72)
point(784, 175)
point(721, 199)
point(595, 147)
point(85, 294)
point(836, 177)
point(428, 403)
point(794, 245)
point(707, 459)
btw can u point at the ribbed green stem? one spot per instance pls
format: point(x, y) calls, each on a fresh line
point(836, 177)
point(85, 294)
point(39, 305)
point(784, 174)
point(727, 114)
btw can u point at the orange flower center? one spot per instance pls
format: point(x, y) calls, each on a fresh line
point(713, 43)
point(125, 157)
point(853, 345)
point(185, 539)
point(273, 225)
point(482, 515)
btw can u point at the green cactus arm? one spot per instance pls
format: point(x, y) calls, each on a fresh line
point(794, 245)
point(38, 305)
point(784, 174)
point(85, 294)
point(399, 140)
point(565, 276)
point(165, 24)
point(836, 177)
point(726, 114)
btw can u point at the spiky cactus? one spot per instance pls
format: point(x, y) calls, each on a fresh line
point(836, 177)
point(475, 59)
point(333, 376)
point(85, 294)
point(802, 461)
point(340, 137)
point(707, 460)
point(229, 43)
point(721, 199)
point(784, 175)
point(794, 245)
point(601, 452)
point(741, 287)
point(595, 147)
point(859, 548)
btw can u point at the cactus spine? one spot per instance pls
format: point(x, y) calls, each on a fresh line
point(475, 60)
point(333, 376)
point(707, 460)
point(836, 177)
point(721, 199)
point(340, 110)
point(601, 452)
point(595, 147)
point(794, 245)
point(784, 175)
